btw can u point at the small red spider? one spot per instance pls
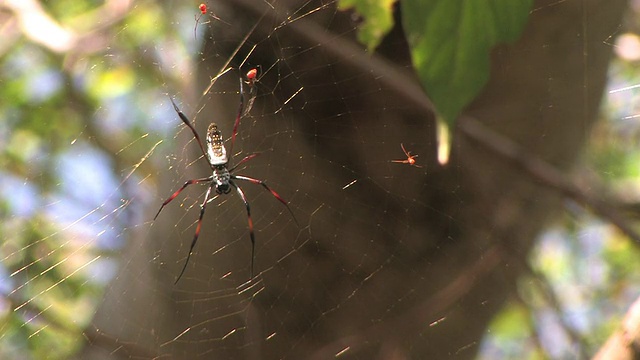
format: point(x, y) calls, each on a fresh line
point(203, 11)
point(251, 76)
point(410, 158)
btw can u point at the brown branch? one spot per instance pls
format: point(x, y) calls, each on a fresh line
point(543, 173)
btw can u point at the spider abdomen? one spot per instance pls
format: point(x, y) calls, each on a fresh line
point(215, 146)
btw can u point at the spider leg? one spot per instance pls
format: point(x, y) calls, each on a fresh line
point(238, 117)
point(198, 227)
point(251, 234)
point(195, 29)
point(185, 120)
point(251, 97)
point(190, 182)
point(275, 194)
point(408, 153)
point(244, 160)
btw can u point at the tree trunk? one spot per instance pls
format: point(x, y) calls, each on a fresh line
point(404, 262)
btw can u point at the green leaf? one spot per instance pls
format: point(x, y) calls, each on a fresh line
point(377, 19)
point(451, 41)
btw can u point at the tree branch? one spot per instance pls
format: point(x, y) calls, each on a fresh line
point(544, 173)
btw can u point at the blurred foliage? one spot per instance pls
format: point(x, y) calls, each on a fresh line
point(592, 269)
point(510, 335)
point(377, 19)
point(75, 122)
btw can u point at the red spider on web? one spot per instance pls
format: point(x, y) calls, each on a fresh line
point(410, 158)
point(204, 10)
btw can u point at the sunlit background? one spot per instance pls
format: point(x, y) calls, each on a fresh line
point(86, 130)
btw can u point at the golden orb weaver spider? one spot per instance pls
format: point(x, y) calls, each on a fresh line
point(222, 180)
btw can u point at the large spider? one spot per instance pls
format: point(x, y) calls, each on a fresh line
point(222, 179)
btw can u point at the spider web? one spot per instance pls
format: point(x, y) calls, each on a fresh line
point(327, 125)
point(285, 98)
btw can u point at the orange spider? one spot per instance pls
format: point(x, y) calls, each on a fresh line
point(410, 158)
point(252, 76)
point(204, 11)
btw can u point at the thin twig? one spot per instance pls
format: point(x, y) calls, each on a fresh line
point(543, 173)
